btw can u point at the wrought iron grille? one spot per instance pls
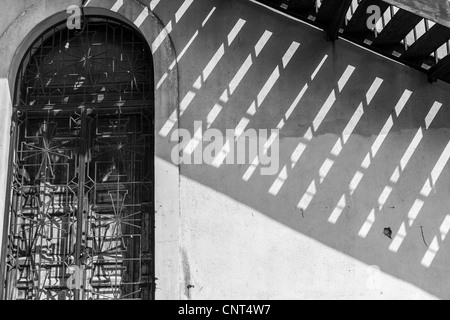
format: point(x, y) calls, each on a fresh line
point(81, 209)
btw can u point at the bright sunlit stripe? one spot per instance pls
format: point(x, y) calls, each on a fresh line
point(153, 4)
point(117, 5)
point(185, 49)
point(224, 152)
point(208, 16)
point(160, 82)
point(434, 248)
point(235, 82)
point(213, 114)
point(213, 63)
point(290, 53)
point(319, 67)
point(264, 92)
point(262, 42)
point(432, 114)
point(193, 144)
point(345, 77)
point(293, 106)
point(237, 28)
point(337, 212)
point(419, 203)
point(161, 37)
point(184, 7)
point(308, 196)
point(408, 155)
point(186, 101)
point(144, 14)
point(240, 128)
point(168, 126)
point(402, 103)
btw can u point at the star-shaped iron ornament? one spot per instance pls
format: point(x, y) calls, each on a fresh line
point(134, 71)
point(86, 57)
point(47, 148)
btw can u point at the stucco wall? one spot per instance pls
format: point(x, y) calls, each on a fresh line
point(239, 240)
point(250, 238)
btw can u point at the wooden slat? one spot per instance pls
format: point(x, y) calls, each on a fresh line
point(332, 16)
point(358, 23)
point(328, 10)
point(441, 69)
point(301, 5)
point(428, 43)
point(434, 10)
point(398, 28)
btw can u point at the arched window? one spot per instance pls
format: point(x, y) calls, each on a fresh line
point(81, 206)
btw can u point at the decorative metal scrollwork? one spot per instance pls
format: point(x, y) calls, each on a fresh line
point(82, 185)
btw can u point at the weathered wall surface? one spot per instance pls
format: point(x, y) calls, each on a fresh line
point(252, 239)
point(364, 145)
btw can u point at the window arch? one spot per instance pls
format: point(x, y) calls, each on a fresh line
point(82, 192)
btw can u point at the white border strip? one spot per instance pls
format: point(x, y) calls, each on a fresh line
point(284, 14)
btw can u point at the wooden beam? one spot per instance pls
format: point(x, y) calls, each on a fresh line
point(398, 28)
point(428, 43)
point(358, 23)
point(332, 16)
point(441, 69)
point(434, 10)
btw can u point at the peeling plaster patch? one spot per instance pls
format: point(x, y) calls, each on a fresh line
point(388, 232)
